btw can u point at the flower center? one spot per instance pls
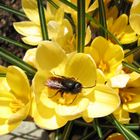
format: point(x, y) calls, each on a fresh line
point(126, 96)
point(103, 66)
point(16, 105)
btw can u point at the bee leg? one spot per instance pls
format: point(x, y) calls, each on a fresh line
point(73, 99)
point(55, 94)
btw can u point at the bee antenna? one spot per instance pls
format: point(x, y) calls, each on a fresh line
point(90, 86)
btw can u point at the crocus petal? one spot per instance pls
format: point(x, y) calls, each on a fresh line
point(29, 57)
point(47, 118)
point(6, 128)
point(27, 28)
point(49, 55)
point(3, 69)
point(31, 10)
point(88, 36)
point(120, 24)
point(82, 70)
point(129, 36)
point(18, 82)
point(103, 101)
point(134, 18)
point(32, 40)
point(122, 116)
point(134, 105)
point(73, 109)
point(119, 81)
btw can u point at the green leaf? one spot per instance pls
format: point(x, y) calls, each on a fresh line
point(97, 128)
point(102, 18)
point(13, 11)
point(67, 130)
point(42, 20)
point(131, 66)
point(17, 61)
point(128, 134)
point(81, 25)
point(2, 74)
point(16, 43)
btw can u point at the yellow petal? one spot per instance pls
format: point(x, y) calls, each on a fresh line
point(120, 24)
point(18, 82)
point(6, 128)
point(134, 80)
point(88, 35)
point(20, 115)
point(129, 36)
point(31, 10)
point(82, 71)
point(32, 40)
point(29, 57)
point(115, 136)
point(103, 101)
point(59, 15)
point(134, 105)
point(49, 55)
point(74, 109)
point(47, 118)
point(27, 28)
point(3, 69)
point(99, 46)
point(134, 20)
point(119, 81)
point(122, 116)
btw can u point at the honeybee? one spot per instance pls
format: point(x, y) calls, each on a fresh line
point(65, 85)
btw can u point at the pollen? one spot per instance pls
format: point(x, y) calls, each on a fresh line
point(103, 66)
point(126, 96)
point(16, 105)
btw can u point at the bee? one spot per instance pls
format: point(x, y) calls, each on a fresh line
point(65, 85)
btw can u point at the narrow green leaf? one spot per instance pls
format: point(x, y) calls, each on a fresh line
point(97, 128)
point(13, 11)
point(17, 61)
point(129, 135)
point(88, 136)
point(102, 18)
point(81, 25)
point(67, 130)
point(130, 66)
point(16, 43)
point(132, 51)
point(2, 74)
point(42, 20)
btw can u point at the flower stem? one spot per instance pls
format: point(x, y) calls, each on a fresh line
point(102, 18)
point(17, 61)
point(42, 20)
point(10, 10)
point(97, 128)
point(81, 25)
point(16, 43)
point(130, 66)
point(67, 130)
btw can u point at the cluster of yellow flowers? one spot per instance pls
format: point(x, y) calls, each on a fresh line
point(69, 85)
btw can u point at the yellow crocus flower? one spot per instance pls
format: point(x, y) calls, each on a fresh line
point(15, 99)
point(107, 56)
point(59, 28)
point(57, 103)
point(129, 91)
